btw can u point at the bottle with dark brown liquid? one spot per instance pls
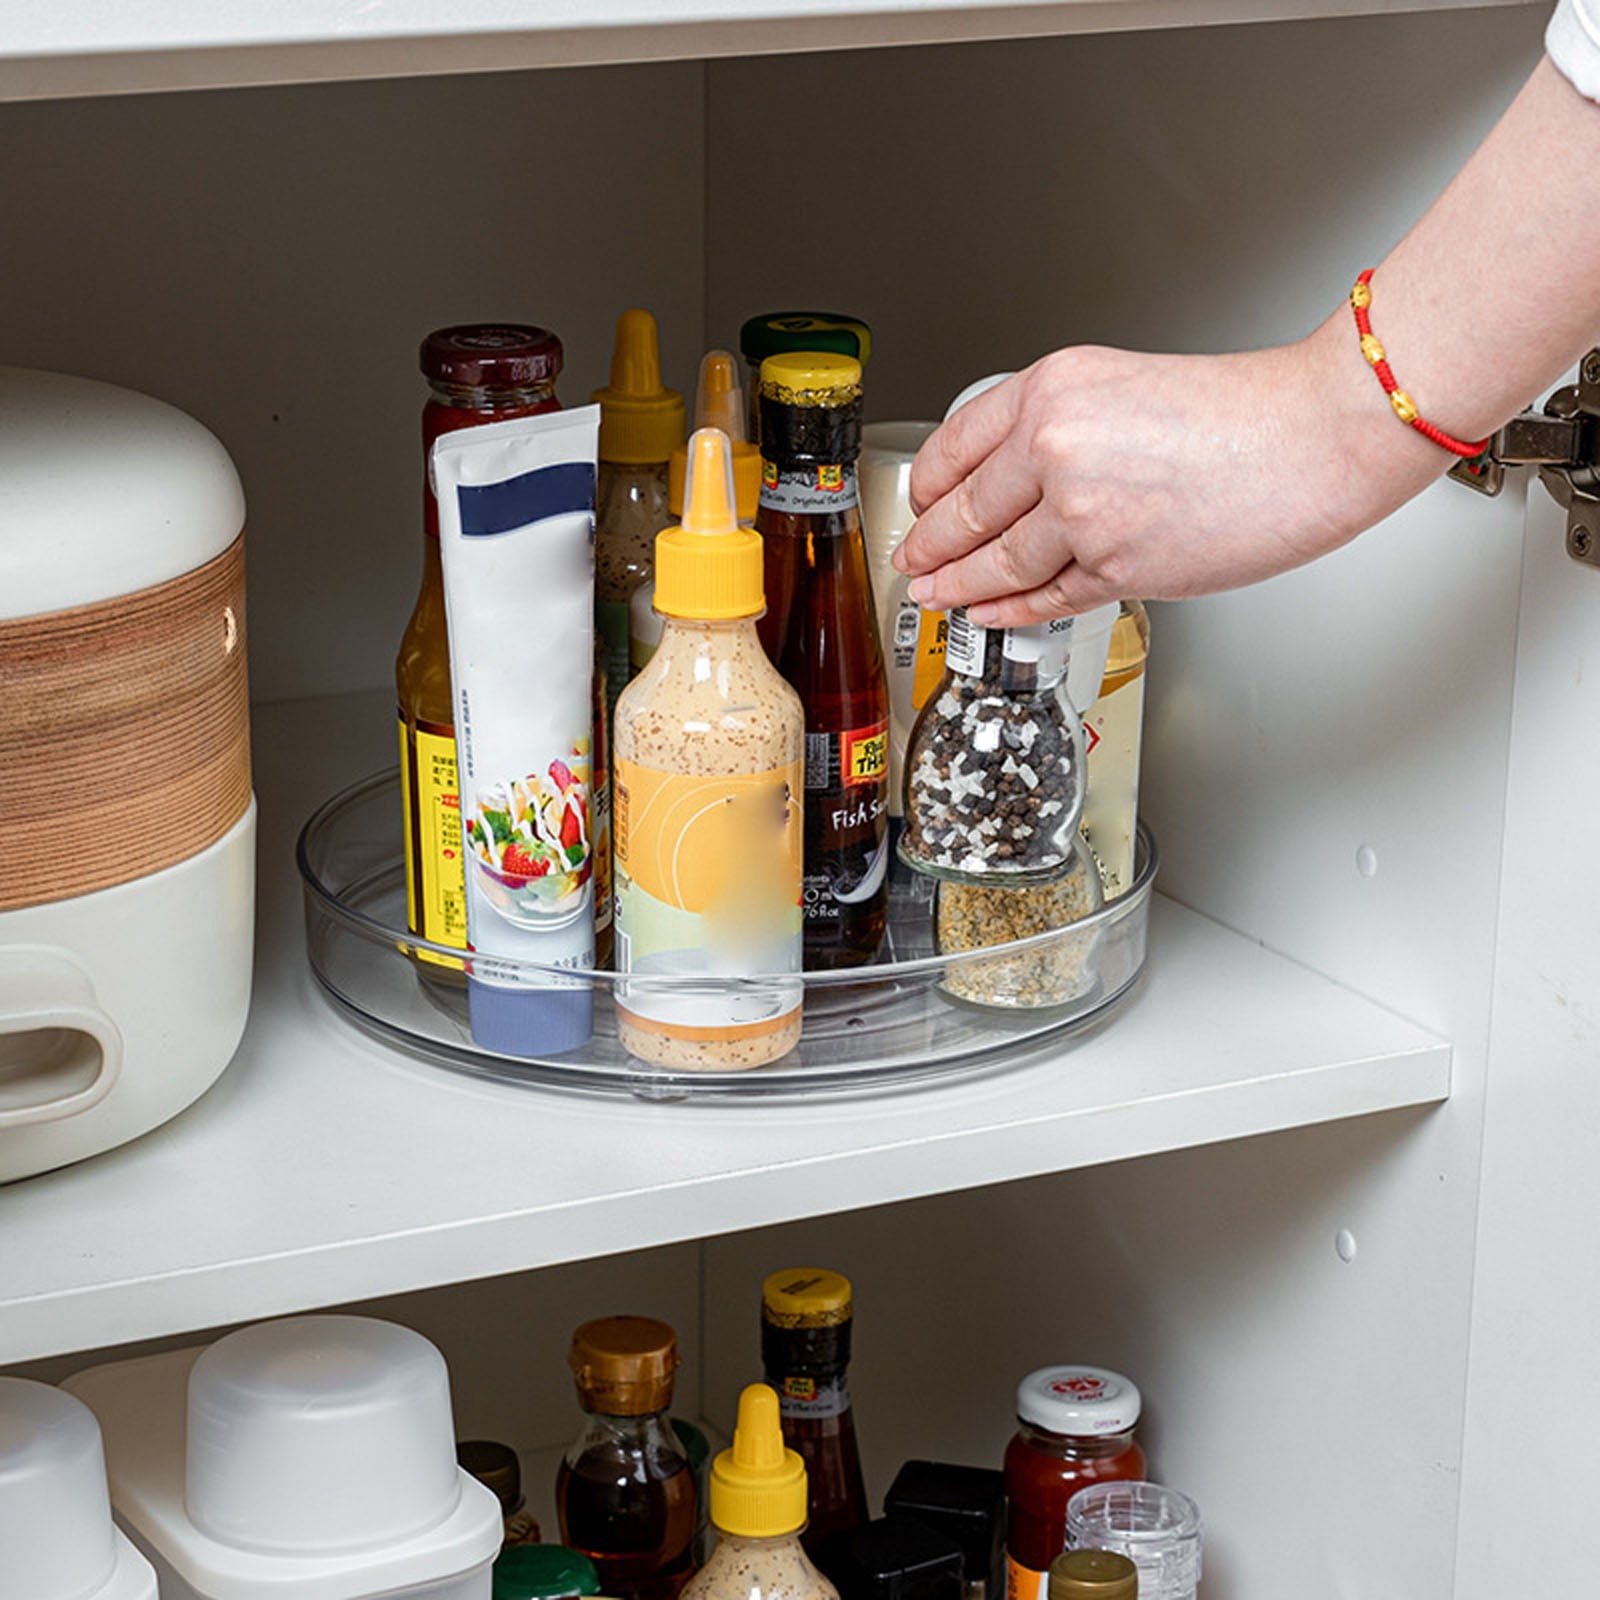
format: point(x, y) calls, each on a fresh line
point(806, 1317)
point(625, 1492)
point(820, 630)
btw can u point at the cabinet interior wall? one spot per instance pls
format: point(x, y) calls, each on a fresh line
point(267, 259)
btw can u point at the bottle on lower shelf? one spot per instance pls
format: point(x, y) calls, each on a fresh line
point(806, 1320)
point(496, 1467)
point(625, 1491)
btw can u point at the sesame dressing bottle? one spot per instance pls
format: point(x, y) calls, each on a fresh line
point(707, 820)
point(758, 1507)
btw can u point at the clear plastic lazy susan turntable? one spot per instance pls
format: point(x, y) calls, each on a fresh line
point(914, 1014)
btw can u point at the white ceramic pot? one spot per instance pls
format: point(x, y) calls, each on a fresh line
point(127, 823)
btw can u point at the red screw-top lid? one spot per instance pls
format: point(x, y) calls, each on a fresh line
point(492, 355)
point(1080, 1402)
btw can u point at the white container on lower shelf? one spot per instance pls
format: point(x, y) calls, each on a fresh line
point(311, 1458)
point(57, 1541)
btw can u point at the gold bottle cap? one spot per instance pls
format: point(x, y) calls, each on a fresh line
point(1093, 1575)
point(624, 1366)
point(806, 1297)
point(811, 378)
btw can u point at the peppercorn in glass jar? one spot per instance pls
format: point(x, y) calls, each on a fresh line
point(994, 768)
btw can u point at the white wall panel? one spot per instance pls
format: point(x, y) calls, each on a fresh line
point(270, 260)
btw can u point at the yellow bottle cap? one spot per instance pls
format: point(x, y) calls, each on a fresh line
point(719, 403)
point(640, 420)
point(811, 378)
point(709, 567)
point(758, 1488)
point(806, 1297)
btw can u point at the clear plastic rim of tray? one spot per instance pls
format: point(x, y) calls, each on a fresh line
point(887, 1023)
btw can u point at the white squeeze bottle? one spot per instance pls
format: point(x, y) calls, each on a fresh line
point(758, 1507)
point(709, 781)
point(718, 403)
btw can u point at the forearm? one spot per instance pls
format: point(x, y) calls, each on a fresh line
point(1496, 290)
point(1033, 503)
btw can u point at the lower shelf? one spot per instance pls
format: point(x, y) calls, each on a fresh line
point(325, 1166)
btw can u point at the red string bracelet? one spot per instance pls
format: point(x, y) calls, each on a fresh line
point(1404, 406)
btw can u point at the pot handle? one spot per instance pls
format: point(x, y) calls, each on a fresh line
point(60, 1053)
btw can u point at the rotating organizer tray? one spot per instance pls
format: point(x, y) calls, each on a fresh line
point(890, 1022)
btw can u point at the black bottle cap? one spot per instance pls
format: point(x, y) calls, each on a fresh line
point(966, 1505)
point(893, 1558)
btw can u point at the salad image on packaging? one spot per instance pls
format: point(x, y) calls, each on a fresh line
point(531, 844)
point(516, 541)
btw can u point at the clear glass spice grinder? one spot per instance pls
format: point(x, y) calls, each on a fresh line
point(994, 773)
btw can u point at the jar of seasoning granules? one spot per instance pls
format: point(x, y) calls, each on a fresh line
point(1051, 971)
point(994, 768)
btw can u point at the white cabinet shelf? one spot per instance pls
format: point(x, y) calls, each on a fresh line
point(91, 47)
point(325, 1168)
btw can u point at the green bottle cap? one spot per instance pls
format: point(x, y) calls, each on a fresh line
point(776, 333)
point(543, 1572)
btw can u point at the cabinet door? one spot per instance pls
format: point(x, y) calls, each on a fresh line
point(1533, 1409)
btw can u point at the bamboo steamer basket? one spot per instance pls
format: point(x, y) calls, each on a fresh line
point(127, 822)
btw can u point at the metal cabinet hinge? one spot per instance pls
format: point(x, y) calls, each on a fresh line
point(1563, 441)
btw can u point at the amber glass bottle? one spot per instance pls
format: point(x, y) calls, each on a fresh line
point(806, 1317)
point(478, 373)
point(821, 632)
point(625, 1490)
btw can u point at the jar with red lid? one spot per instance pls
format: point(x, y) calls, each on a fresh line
point(482, 372)
point(1075, 1428)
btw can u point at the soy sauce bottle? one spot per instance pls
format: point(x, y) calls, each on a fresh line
point(625, 1491)
point(806, 1317)
point(820, 631)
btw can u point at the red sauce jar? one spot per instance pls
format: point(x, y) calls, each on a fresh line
point(1076, 1429)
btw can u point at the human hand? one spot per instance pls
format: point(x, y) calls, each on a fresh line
point(1097, 475)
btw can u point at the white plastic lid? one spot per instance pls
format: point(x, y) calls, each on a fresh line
point(103, 492)
point(347, 1419)
point(56, 1537)
point(1080, 1402)
point(317, 1462)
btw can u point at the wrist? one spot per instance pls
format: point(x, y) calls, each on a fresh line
point(1372, 462)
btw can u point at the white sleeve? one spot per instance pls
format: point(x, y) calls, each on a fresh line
point(1573, 41)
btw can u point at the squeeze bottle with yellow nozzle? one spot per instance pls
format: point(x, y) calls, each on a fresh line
point(641, 424)
point(758, 1507)
point(718, 403)
point(709, 782)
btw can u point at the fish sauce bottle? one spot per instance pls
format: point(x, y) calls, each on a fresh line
point(641, 424)
point(625, 1490)
point(709, 745)
point(821, 633)
point(806, 1318)
point(758, 1507)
